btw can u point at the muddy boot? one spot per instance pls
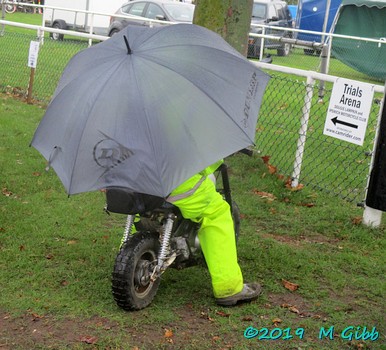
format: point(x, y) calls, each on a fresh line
point(250, 292)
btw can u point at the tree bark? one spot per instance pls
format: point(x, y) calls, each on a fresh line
point(229, 18)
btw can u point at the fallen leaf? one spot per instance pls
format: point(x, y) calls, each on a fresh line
point(247, 318)
point(36, 173)
point(289, 285)
point(263, 194)
point(288, 184)
point(88, 339)
point(272, 169)
point(277, 320)
point(357, 220)
point(285, 306)
point(266, 159)
point(294, 309)
point(168, 333)
point(36, 316)
point(206, 316)
point(222, 314)
point(6, 192)
point(308, 205)
point(71, 242)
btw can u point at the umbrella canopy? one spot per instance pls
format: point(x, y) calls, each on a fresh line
point(148, 108)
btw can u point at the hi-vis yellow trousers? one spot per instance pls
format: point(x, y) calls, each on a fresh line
point(217, 238)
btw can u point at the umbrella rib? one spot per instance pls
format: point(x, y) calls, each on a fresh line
point(148, 126)
point(83, 131)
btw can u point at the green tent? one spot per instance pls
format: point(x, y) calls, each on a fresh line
point(367, 19)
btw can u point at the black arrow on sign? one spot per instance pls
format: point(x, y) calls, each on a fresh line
point(336, 121)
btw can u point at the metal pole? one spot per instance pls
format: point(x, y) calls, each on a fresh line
point(328, 5)
point(323, 69)
point(302, 132)
point(261, 54)
point(91, 29)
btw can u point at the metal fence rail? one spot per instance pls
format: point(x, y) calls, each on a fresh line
point(328, 164)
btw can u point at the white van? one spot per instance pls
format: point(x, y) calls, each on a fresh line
point(63, 14)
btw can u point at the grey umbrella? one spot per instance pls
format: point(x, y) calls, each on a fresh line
point(148, 108)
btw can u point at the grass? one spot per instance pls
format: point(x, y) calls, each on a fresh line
point(57, 253)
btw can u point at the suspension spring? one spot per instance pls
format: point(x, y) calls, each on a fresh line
point(166, 239)
point(128, 228)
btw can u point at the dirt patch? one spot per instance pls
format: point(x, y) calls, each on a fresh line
point(303, 240)
point(32, 331)
point(193, 328)
point(295, 304)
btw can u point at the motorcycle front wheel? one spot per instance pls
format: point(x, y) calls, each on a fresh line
point(131, 284)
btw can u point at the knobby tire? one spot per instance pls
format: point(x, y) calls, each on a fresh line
point(139, 254)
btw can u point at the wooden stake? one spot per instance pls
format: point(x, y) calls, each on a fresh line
point(30, 86)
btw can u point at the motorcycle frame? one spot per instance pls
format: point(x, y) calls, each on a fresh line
point(171, 213)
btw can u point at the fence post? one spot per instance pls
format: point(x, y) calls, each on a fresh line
point(91, 28)
point(324, 68)
point(261, 53)
point(2, 17)
point(371, 216)
point(302, 132)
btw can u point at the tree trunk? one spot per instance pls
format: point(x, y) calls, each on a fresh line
point(229, 18)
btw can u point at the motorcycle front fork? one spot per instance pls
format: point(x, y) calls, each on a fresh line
point(164, 259)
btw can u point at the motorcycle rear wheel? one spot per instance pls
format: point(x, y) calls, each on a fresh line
point(10, 8)
point(131, 285)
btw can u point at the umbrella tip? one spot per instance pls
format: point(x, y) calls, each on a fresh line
point(129, 52)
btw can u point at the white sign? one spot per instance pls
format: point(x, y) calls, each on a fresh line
point(349, 110)
point(33, 54)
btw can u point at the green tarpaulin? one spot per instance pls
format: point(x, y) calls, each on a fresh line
point(367, 19)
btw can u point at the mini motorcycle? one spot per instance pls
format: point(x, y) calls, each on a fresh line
point(162, 238)
point(13, 5)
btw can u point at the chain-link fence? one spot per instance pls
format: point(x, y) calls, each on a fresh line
point(328, 164)
point(52, 58)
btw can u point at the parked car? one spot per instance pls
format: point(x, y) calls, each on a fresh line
point(161, 10)
point(274, 13)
